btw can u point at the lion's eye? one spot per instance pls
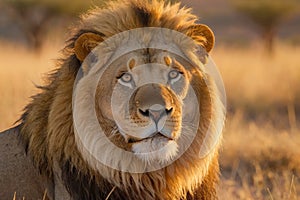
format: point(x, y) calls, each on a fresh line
point(126, 78)
point(173, 74)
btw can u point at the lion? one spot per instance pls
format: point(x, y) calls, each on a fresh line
point(129, 125)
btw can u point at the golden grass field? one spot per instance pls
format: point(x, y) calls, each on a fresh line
point(260, 158)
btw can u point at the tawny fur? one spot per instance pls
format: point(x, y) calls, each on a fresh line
point(47, 125)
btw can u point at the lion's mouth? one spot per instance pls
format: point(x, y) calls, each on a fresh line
point(156, 135)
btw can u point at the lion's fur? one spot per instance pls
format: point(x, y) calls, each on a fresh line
point(47, 125)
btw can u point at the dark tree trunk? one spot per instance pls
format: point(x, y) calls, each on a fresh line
point(35, 22)
point(268, 37)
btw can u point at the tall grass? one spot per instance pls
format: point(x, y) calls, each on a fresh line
point(259, 161)
point(253, 77)
point(265, 88)
point(260, 157)
point(20, 69)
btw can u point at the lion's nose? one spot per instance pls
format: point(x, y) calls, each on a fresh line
point(156, 114)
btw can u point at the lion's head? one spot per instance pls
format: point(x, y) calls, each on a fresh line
point(131, 106)
point(147, 90)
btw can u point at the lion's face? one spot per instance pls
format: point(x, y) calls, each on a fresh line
point(144, 100)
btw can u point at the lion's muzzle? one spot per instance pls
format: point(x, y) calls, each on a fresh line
point(154, 105)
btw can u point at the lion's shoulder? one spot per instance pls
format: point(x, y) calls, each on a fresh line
point(16, 169)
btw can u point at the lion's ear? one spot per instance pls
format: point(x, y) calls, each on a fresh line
point(85, 44)
point(204, 36)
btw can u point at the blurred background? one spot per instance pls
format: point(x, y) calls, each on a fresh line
point(257, 52)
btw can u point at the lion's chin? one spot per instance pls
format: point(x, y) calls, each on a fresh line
point(156, 149)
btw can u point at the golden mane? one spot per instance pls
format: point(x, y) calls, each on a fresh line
point(47, 125)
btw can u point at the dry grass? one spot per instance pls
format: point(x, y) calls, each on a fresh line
point(259, 161)
point(19, 71)
point(255, 80)
point(260, 158)
point(255, 75)
point(23, 198)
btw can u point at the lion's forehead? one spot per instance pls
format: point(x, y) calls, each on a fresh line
point(150, 73)
point(149, 55)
